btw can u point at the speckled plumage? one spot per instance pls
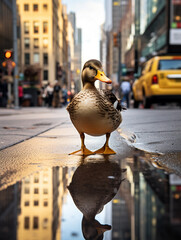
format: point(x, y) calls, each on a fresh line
point(92, 112)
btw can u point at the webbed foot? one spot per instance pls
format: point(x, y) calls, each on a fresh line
point(83, 151)
point(105, 150)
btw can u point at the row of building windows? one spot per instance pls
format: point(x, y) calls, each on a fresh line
point(35, 43)
point(36, 26)
point(36, 58)
point(35, 223)
point(35, 203)
point(35, 7)
point(36, 177)
point(36, 190)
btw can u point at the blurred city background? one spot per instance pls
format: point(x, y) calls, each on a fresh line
point(41, 44)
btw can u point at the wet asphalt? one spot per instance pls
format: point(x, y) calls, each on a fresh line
point(33, 138)
point(45, 193)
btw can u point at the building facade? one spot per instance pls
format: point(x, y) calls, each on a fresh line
point(40, 37)
point(6, 33)
point(6, 28)
point(158, 29)
point(139, 30)
point(41, 201)
point(44, 40)
point(76, 61)
point(115, 10)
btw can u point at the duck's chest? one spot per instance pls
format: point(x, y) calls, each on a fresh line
point(87, 104)
point(92, 114)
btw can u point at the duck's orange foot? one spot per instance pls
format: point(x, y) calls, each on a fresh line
point(83, 151)
point(105, 150)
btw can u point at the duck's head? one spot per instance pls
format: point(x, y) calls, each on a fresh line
point(93, 71)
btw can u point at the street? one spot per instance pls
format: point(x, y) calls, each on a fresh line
point(36, 170)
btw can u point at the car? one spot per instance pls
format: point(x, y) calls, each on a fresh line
point(159, 81)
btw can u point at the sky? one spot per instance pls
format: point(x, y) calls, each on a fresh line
point(89, 17)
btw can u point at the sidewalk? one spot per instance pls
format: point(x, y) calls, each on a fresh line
point(149, 130)
point(17, 125)
point(25, 110)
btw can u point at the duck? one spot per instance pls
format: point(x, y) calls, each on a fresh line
point(92, 186)
point(95, 112)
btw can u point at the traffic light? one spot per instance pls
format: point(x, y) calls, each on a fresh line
point(8, 63)
point(8, 54)
point(115, 39)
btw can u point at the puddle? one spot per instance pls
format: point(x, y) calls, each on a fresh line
point(138, 197)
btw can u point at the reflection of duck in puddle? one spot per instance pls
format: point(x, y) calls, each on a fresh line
point(94, 185)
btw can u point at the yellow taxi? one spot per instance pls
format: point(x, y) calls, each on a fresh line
point(160, 81)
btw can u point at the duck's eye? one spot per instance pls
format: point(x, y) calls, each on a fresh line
point(90, 67)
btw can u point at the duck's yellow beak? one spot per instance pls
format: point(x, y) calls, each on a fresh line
point(102, 77)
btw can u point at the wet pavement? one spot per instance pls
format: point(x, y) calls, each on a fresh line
point(127, 198)
point(47, 194)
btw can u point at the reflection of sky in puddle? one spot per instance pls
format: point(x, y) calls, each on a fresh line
point(71, 219)
point(148, 202)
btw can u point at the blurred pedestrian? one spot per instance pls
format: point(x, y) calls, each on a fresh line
point(125, 90)
point(56, 94)
point(49, 94)
point(43, 95)
point(20, 94)
point(3, 93)
point(64, 95)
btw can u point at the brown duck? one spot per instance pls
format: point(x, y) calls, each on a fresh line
point(92, 111)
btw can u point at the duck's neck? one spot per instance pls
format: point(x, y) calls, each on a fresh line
point(89, 85)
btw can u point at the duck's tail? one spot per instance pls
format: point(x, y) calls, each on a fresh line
point(118, 106)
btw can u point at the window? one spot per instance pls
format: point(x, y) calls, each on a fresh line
point(35, 7)
point(45, 203)
point(45, 42)
point(36, 43)
point(45, 175)
point(36, 57)
point(35, 222)
point(36, 191)
point(27, 180)
point(27, 203)
point(36, 27)
point(27, 43)
point(173, 64)
point(26, 222)
point(45, 62)
point(150, 68)
point(45, 190)
point(36, 179)
point(36, 203)
point(45, 7)
point(45, 74)
point(27, 58)
point(26, 7)
point(45, 223)
point(26, 27)
point(27, 190)
point(45, 27)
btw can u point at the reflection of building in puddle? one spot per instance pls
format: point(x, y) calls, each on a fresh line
point(8, 211)
point(41, 205)
point(175, 199)
point(152, 203)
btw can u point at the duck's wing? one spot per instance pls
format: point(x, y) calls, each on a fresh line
point(109, 95)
